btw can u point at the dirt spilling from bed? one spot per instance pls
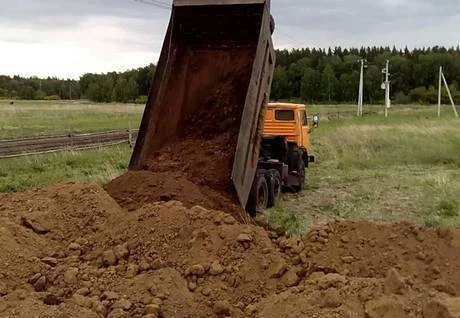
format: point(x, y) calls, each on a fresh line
point(69, 250)
point(195, 165)
point(195, 173)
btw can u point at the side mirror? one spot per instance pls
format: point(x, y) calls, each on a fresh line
point(315, 120)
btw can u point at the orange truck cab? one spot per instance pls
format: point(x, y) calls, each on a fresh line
point(285, 153)
point(290, 121)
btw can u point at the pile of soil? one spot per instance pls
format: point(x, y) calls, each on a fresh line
point(199, 158)
point(70, 251)
point(192, 171)
point(134, 189)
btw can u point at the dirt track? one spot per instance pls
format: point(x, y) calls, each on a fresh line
point(70, 251)
point(50, 143)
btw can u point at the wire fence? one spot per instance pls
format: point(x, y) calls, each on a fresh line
point(29, 146)
point(339, 115)
point(11, 148)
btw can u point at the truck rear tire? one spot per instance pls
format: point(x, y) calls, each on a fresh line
point(258, 198)
point(275, 187)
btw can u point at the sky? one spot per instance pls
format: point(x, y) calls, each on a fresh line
point(67, 38)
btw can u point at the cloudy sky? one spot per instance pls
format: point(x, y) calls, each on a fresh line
point(67, 38)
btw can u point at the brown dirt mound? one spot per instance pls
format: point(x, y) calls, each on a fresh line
point(136, 188)
point(207, 163)
point(202, 149)
point(192, 171)
point(70, 251)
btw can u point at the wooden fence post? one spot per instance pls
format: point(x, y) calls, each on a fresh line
point(71, 137)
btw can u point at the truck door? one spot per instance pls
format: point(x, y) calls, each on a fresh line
point(306, 130)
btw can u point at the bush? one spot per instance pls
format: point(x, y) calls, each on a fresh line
point(4, 93)
point(52, 97)
point(448, 208)
point(39, 95)
point(401, 98)
point(417, 95)
point(431, 95)
point(142, 99)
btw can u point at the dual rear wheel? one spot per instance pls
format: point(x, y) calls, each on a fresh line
point(266, 190)
point(267, 186)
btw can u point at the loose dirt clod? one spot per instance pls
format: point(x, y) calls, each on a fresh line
point(394, 283)
point(168, 260)
point(385, 307)
point(34, 226)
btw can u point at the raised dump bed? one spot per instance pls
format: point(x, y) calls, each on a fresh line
point(203, 114)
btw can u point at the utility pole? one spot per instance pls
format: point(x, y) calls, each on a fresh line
point(450, 95)
point(387, 87)
point(439, 91)
point(361, 88)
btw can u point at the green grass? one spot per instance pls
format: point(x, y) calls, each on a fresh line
point(98, 165)
point(405, 167)
point(33, 118)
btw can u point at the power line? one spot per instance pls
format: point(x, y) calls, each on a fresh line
point(163, 2)
point(156, 3)
point(167, 6)
point(159, 2)
point(163, 5)
point(287, 37)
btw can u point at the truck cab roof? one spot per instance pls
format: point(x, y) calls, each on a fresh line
point(287, 105)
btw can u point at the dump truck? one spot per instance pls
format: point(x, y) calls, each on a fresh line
point(285, 153)
point(223, 49)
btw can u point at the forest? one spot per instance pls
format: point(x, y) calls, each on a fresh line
point(310, 75)
point(129, 86)
point(332, 75)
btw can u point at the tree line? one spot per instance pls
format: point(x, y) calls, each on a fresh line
point(309, 74)
point(17, 87)
point(129, 86)
point(332, 75)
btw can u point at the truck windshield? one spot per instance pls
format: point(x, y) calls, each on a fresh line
point(285, 115)
point(304, 118)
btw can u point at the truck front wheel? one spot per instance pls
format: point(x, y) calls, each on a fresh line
point(301, 175)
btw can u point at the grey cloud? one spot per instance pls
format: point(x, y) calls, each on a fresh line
point(354, 18)
point(320, 23)
point(364, 22)
point(42, 18)
point(67, 13)
point(343, 14)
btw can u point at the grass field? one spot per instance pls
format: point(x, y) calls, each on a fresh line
point(34, 118)
point(98, 165)
point(405, 167)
